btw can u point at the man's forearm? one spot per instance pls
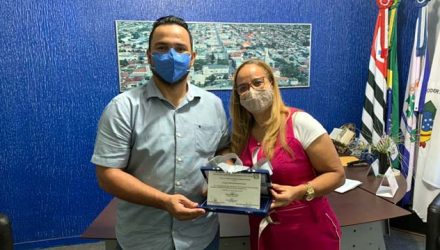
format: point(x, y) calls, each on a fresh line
point(129, 188)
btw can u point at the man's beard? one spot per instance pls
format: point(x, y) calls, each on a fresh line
point(167, 82)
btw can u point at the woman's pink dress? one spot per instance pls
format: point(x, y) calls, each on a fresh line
point(301, 225)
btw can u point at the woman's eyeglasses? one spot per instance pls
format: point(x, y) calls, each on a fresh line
point(257, 84)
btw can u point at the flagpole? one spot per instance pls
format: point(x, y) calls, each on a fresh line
point(409, 123)
point(421, 50)
point(374, 111)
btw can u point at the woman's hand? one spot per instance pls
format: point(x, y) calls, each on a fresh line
point(283, 195)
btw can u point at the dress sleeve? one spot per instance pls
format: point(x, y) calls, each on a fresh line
point(306, 128)
point(113, 139)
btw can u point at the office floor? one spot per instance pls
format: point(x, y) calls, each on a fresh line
point(397, 240)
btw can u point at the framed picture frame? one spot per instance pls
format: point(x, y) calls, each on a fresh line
point(221, 48)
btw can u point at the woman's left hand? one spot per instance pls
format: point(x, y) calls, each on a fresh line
point(283, 195)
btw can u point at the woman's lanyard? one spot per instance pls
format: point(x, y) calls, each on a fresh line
point(262, 164)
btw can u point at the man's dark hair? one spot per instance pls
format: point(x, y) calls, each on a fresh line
point(170, 20)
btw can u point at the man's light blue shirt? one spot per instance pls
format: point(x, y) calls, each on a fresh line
point(163, 146)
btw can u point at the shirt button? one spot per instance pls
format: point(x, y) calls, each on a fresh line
point(179, 135)
point(179, 159)
point(177, 183)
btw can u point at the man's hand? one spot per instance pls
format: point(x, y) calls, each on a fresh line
point(182, 208)
point(283, 195)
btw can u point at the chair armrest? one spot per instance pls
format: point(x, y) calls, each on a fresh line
point(433, 234)
point(6, 241)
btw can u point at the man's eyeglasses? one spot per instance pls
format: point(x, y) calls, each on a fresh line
point(257, 84)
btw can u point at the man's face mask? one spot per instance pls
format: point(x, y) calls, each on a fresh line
point(171, 67)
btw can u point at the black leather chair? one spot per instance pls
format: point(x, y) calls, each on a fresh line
point(6, 242)
point(433, 235)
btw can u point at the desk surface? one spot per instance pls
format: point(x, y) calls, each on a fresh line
point(370, 183)
point(356, 206)
point(103, 227)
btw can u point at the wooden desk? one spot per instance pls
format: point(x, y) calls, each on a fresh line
point(358, 206)
point(371, 183)
point(103, 227)
point(365, 229)
point(354, 207)
point(358, 210)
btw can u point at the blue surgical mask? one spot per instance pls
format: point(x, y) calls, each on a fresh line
point(171, 66)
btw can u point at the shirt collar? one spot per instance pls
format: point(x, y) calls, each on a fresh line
point(193, 92)
point(153, 91)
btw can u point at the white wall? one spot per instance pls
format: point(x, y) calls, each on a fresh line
point(433, 25)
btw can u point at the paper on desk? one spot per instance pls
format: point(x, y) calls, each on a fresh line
point(345, 160)
point(348, 185)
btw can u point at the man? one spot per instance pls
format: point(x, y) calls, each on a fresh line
point(151, 143)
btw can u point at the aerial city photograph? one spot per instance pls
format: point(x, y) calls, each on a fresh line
point(221, 48)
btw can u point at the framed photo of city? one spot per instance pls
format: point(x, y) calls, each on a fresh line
point(221, 48)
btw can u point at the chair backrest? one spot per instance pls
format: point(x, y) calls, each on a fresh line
point(6, 241)
point(433, 235)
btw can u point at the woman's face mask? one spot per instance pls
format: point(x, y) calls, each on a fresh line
point(171, 66)
point(257, 101)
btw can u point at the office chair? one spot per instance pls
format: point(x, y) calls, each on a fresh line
point(6, 242)
point(433, 235)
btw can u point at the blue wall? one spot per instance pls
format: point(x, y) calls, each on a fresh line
point(58, 70)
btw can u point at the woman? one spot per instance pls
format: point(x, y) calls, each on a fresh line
point(304, 162)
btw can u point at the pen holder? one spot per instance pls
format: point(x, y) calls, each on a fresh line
point(384, 163)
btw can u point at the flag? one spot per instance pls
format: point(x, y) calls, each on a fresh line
point(408, 124)
point(427, 178)
point(373, 113)
point(393, 111)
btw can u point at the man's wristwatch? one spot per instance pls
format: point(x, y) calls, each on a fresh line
point(310, 192)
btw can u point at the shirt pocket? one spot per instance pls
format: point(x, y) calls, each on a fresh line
point(207, 138)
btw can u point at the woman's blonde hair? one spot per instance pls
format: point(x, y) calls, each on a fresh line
point(242, 120)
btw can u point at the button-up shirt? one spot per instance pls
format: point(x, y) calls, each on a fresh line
point(163, 146)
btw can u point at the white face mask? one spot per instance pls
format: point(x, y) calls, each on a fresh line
point(257, 101)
